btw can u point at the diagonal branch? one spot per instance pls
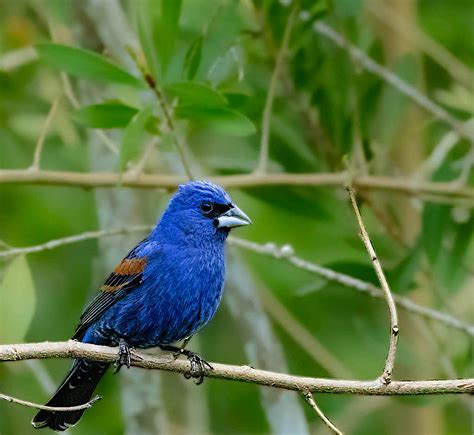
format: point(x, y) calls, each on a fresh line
point(386, 377)
point(74, 349)
point(285, 253)
point(169, 122)
point(311, 402)
point(42, 136)
point(88, 235)
point(385, 74)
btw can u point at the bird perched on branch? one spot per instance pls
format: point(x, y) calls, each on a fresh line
point(164, 291)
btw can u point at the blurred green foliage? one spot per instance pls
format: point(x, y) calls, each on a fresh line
point(213, 61)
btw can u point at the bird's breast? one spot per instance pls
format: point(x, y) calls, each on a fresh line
point(185, 289)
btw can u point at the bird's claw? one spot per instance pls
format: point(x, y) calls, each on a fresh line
point(124, 356)
point(198, 367)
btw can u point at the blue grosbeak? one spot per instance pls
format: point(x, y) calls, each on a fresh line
point(164, 291)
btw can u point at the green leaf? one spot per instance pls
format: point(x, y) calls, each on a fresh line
point(17, 301)
point(196, 94)
point(192, 59)
point(167, 31)
point(109, 115)
point(133, 137)
point(85, 64)
point(220, 119)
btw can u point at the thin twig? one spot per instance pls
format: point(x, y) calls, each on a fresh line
point(56, 243)
point(75, 349)
point(384, 73)
point(169, 121)
point(311, 402)
point(386, 377)
point(267, 111)
point(42, 136)
point(93, 180)
point(137, 170)
point(49, 408)
point(284, 253)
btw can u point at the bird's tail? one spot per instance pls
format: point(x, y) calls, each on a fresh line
point(76, 389)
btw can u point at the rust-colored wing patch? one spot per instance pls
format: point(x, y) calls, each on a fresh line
point(124, 273)
point(130, 266)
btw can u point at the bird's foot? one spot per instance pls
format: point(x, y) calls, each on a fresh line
point(198, 366)
point(124, 356)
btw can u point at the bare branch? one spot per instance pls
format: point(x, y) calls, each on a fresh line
point(137, 169)
point(170, 182)
point(74, 349)
point(394, 329)
point(150, 81)
point(267, 111)
point(42, 136)
point(49, 408)
point(311, 402)
point(385, 74)
point(56, 243)
point(285, 253)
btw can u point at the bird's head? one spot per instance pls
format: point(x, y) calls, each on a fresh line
point(201, 212)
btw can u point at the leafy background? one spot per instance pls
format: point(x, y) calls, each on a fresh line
point(214, 61)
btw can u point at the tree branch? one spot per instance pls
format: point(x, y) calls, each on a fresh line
point(88, 235)
point(41, 138)
point(394, 329)
point(49, 408)
point(285, 253)
point(384, 73)
point(169, 121)
point(109, 179)
point(74, 349)
point(311, 402)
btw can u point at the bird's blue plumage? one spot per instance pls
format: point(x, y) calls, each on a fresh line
point(180, 290)
point(165, 290)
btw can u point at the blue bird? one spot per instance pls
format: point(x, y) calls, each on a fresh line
point(164, 291)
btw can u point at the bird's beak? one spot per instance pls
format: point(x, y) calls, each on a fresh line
point(232, 218)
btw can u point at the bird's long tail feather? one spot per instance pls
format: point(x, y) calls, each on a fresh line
point(76, 389)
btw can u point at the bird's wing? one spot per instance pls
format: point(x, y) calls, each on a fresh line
point(127, 275)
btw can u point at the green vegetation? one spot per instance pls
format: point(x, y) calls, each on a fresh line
point(171, 87)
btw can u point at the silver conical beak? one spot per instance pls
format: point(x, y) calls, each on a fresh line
point(232, 218)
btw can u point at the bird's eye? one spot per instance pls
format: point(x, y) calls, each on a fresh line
point(206, 207)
